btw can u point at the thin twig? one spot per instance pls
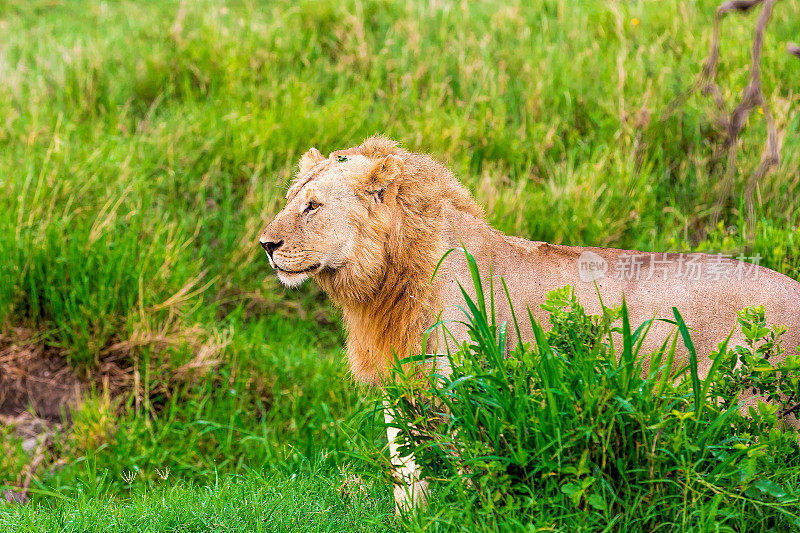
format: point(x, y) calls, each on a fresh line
point(37, 460)
point(789, 410)
point(653, 450)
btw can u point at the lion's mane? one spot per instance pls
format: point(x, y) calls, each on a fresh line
point(386, 292)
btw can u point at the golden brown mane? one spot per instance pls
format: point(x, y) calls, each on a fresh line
point(386, 291)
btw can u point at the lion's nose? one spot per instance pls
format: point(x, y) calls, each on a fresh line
point(271, 246)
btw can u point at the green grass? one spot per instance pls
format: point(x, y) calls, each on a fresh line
point(279, 502)
point(143, 146)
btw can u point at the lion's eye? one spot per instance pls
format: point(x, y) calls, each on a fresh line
point(341, 158)
point(313, 206)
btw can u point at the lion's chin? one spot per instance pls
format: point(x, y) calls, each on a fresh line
point(292, 280)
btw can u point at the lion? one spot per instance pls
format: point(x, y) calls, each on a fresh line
point(370, 224)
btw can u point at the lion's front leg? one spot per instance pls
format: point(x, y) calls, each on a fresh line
point(409, 490)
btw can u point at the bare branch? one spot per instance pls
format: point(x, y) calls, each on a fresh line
point(752, 97)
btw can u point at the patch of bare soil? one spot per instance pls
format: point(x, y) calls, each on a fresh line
point(38, 392)
point(33, 375)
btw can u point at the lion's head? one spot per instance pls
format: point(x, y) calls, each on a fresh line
point(334, 210)
point(347, 215)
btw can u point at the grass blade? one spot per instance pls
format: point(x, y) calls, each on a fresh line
point(687, 341)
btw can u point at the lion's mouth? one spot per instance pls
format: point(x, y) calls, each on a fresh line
point(312, 268)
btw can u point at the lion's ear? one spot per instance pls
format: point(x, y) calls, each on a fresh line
point(310, 160)
point(385, 177)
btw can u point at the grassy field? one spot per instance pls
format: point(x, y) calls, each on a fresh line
point(144, 145)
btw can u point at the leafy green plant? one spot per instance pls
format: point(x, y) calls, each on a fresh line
point(754, 366)
point(754, 369)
